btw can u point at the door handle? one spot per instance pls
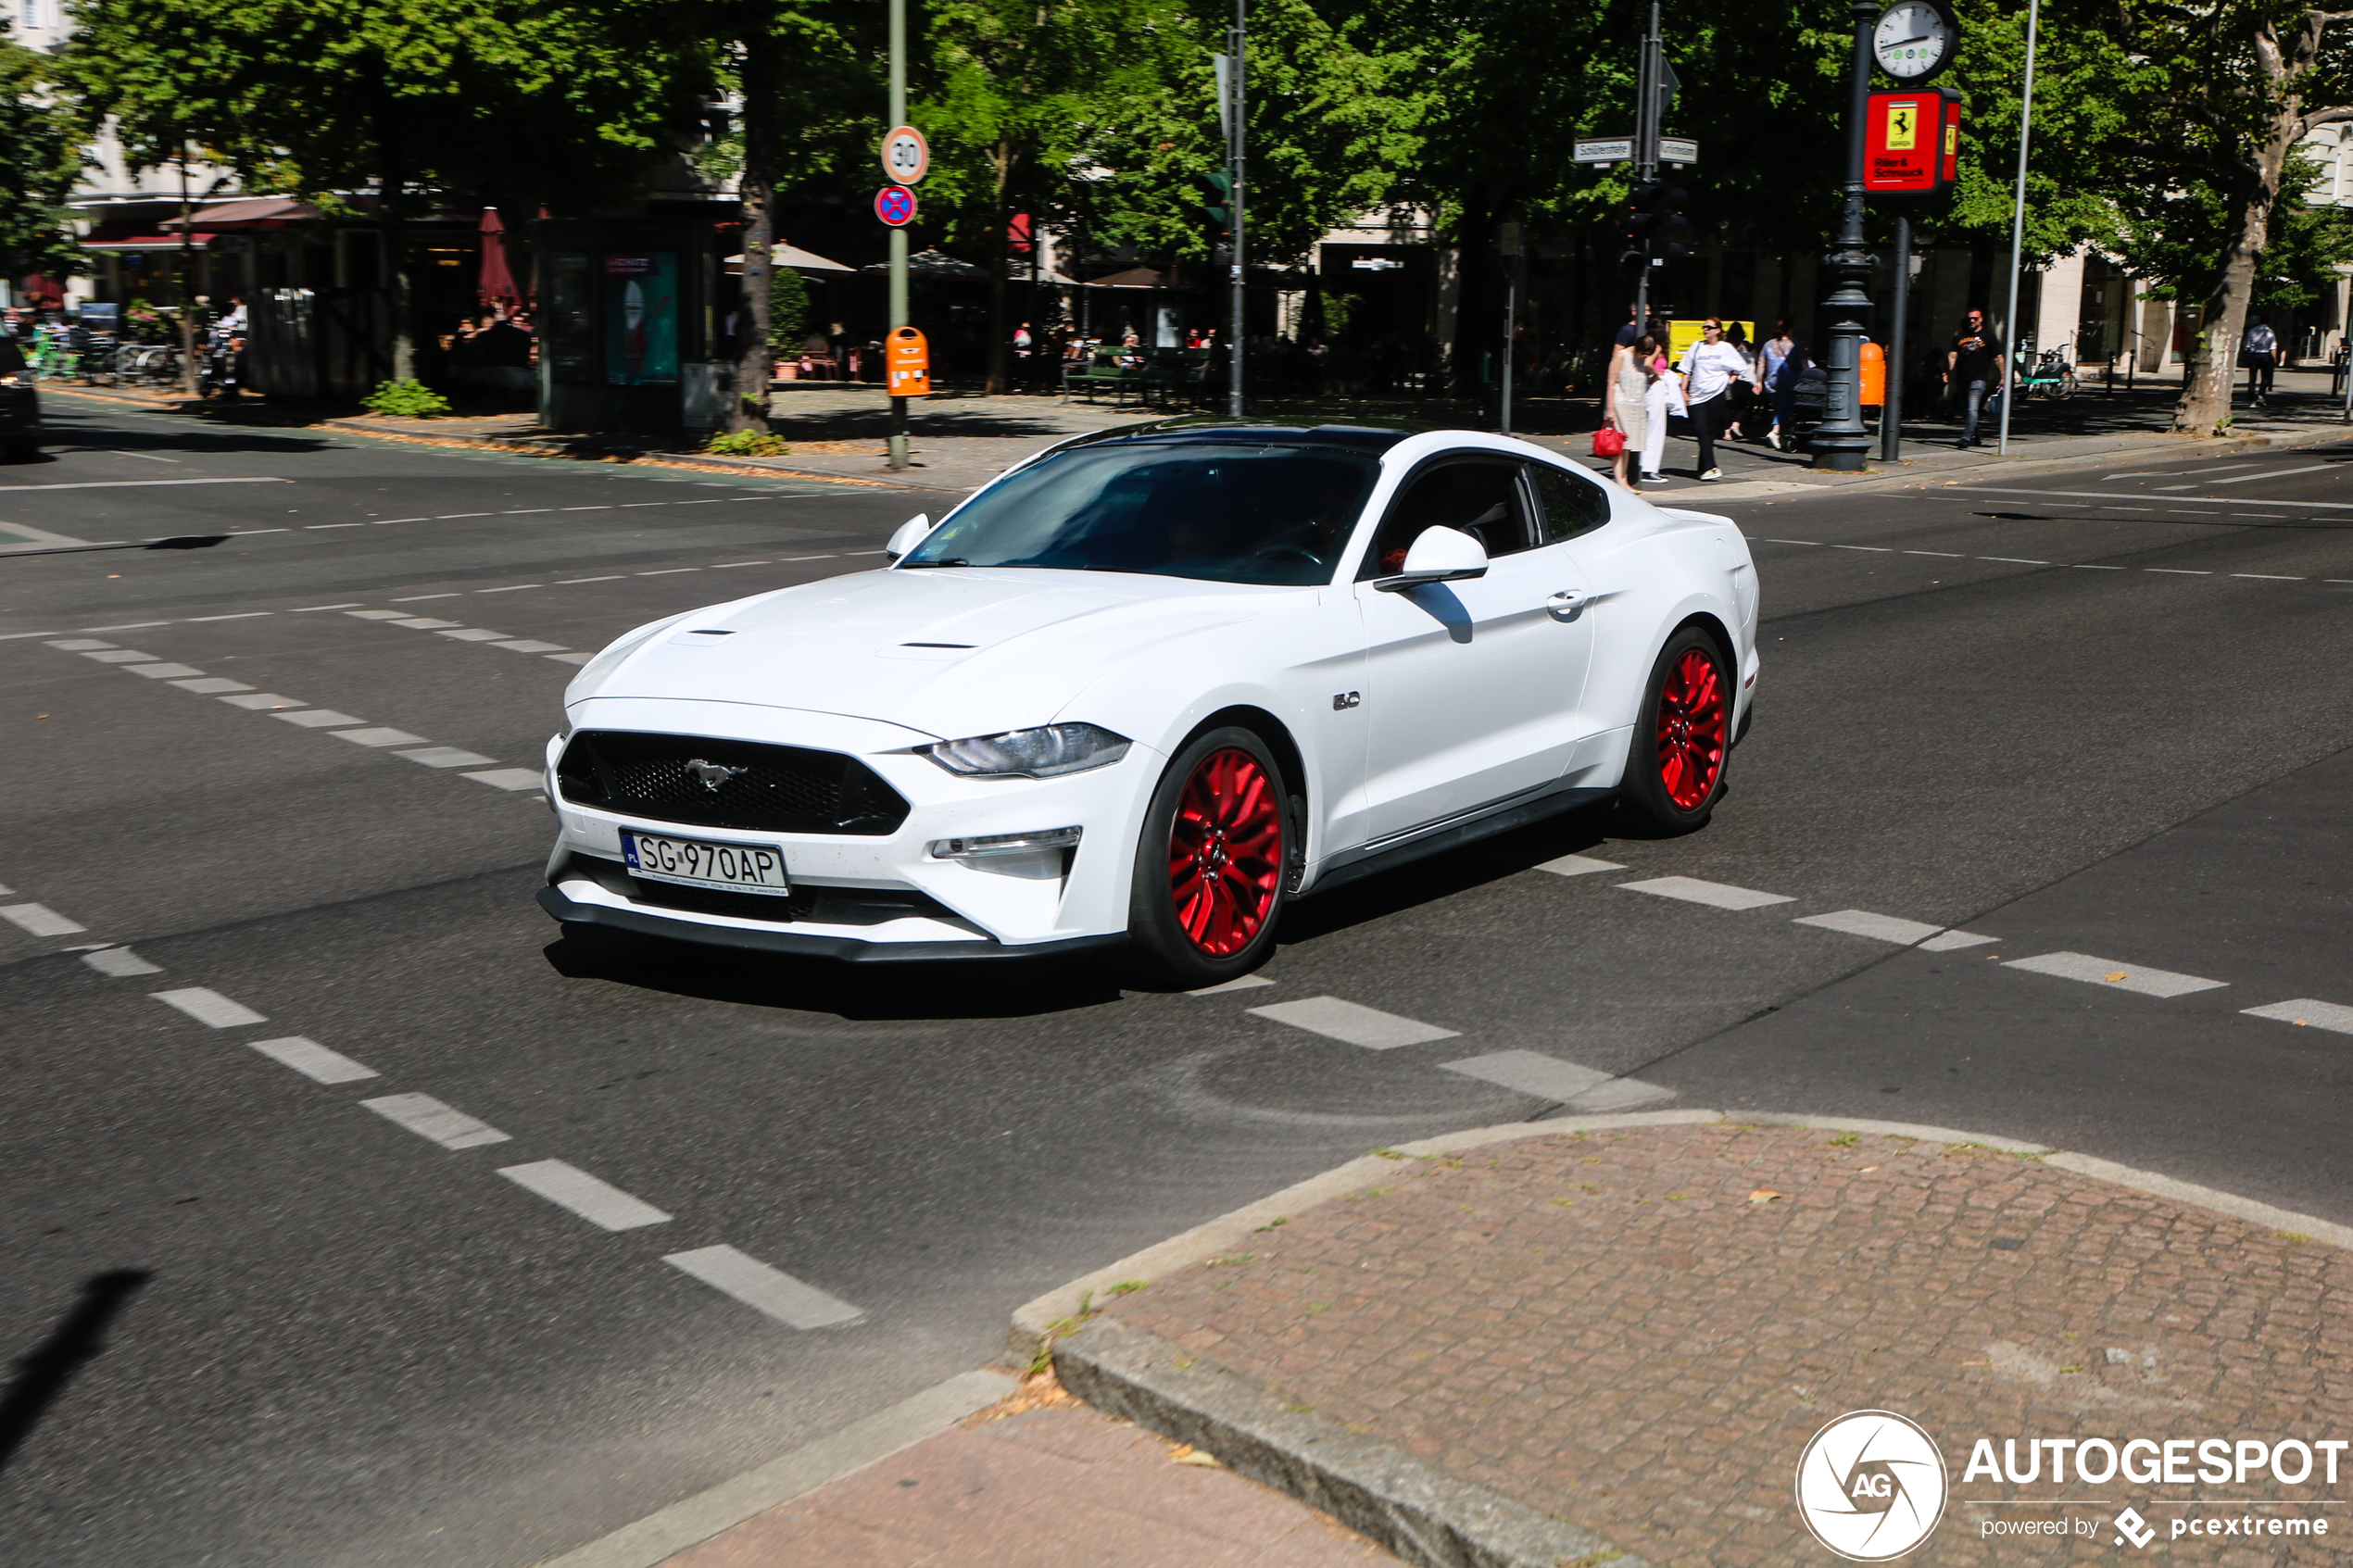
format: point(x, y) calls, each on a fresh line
point(1569, 601)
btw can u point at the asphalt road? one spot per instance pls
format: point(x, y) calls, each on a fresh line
point(255, 1321)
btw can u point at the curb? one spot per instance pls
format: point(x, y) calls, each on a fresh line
point(586, 451)
point(1413, 1510)
point(694, 1520)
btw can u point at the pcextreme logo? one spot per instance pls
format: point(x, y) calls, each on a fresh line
point(1871, 1485)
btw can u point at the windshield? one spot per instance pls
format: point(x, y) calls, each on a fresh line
point(1227, 514)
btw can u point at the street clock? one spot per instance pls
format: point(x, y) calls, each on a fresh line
point(1914, 40)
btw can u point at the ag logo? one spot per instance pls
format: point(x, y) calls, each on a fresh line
point(1871, 1485)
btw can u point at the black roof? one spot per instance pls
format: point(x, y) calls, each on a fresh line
point(1368, 436)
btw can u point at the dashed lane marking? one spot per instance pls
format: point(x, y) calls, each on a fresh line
point(2278, 473)
point(429, 1118)
point(115, 656)
point(1579, 865)
point(306, 609)
point(765, 1289)
point(600, 1203)
point(475, 634)
point(119, 963)
point(1952, 940)
point(76, 644)
point(526, 644)
point(575, 581)
point(447, 756)
point(240, 615)
point(511, 588)
point(162, 672)
point(313, 1060)
point(380, 734)
point(318, 718)
point(1718, 895)
point(571, 657)
point(2124, 977)
point(2105, 496)
point(1862, 922)
point(1247, 983)
point(426, 622)
point(381, 615)
point(39, 920)
point(1337, 1020)
point(507, 778)
point(210, 1006)
point(2319, 1015)
point(263, 701)
point(1545, 1077)
point(211, 685)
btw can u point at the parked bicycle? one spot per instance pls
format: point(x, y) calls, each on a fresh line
point(147, 364)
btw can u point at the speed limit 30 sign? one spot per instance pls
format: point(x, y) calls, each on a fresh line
point(906, 157)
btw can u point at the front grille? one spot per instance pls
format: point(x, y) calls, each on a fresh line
point(774, 788)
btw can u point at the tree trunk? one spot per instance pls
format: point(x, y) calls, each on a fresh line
point(1000, 166)
point(2204, 407)
point(755, 361)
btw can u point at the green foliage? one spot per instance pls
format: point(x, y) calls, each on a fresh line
point(788, 310)
point(321, 97)
point(2176, 239)
point(746, 443)
point(40, 158)
point(406, 399)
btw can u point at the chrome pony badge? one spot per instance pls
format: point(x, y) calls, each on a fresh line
point(712, 774)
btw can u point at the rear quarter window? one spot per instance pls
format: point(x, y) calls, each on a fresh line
point(1573, 504)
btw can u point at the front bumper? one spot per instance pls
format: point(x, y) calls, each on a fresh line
point(846, 885)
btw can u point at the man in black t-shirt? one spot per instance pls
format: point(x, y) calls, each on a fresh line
point(1973, 366)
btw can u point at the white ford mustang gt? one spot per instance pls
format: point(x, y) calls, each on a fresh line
point(1146, 687)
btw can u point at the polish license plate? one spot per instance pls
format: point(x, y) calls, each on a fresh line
point(739, 868)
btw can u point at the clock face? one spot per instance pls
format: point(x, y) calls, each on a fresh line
point(1913, 40)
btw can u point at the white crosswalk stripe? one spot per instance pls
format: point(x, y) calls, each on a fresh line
point(2318, 1015)
point(2107, 971)
point(1369, 1027)
point(765, 1289)
point(1719, 894)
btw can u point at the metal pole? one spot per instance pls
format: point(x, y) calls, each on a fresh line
point(1511, 309)
point(1841, 444)
point(1646, 87)
point(1891, 413)
point(899, 235)
point(2018, 223)
point(1234, 153)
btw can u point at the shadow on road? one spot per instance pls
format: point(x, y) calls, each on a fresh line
point(43, 1375)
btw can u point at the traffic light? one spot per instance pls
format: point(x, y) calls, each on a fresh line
point(1653, 217)
point(1213, 208)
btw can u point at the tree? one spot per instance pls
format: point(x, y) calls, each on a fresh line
point(39, 162)
point(406, 98)
point(2223, 93)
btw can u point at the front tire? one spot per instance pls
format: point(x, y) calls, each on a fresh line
point(1682, 737)
point(1210, 863)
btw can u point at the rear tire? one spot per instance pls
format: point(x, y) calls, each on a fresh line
point(1210, 864)
point(1683, 737)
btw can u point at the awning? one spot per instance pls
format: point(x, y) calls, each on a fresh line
point(932, 264)
point(254, 212)
point(126, 236)
point(1136, 278)
point(800, 260)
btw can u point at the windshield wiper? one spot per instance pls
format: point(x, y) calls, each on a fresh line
point(951, 560)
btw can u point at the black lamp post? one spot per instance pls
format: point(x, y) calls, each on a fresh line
point(1840, 442)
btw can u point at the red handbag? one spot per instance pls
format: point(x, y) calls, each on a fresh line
point(1608, 441)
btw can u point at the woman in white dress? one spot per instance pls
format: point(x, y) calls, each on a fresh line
point(1625, 408)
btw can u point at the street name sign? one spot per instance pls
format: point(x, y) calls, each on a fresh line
point(1608, 149)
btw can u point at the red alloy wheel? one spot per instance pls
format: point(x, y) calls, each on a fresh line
point(1693, 713)
point(1225, 853)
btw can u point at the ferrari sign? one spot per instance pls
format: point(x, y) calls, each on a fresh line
point(1912, 142)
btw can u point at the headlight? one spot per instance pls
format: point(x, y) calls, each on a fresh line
point(1047, 752)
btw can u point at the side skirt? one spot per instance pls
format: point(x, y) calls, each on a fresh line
point(1502, 816)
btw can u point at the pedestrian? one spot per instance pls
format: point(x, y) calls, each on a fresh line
point(1022, 341)
point(2262, 350)
point(1709, 368)
point(1736, 335)
point(1626, 408)
point(1662, 398)
point(1767, 382)
point(1973, 368)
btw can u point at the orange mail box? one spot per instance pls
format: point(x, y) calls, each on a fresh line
point(907, 364)
point(1874, 376)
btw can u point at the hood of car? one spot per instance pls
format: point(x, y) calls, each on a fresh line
point(947, 651)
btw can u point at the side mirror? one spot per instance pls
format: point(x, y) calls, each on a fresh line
point(1440, 555)
point(911, 534)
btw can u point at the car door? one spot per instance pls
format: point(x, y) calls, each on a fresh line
point(1471, 686)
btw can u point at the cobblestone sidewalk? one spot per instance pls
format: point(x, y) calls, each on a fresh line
point(1636, 1331)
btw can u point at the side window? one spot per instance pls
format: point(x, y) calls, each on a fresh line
point(1572, 506)
point(1483, 499)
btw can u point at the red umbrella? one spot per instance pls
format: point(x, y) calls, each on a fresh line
point(498, 282)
